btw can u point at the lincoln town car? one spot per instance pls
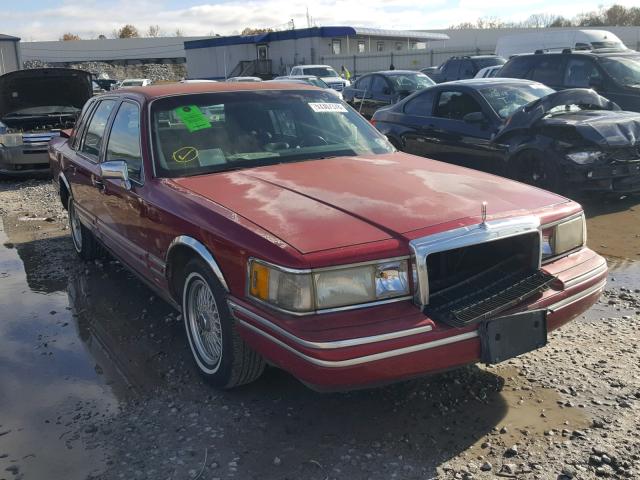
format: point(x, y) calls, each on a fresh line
point(289, 232)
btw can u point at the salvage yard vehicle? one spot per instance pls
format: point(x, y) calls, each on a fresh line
point(613, 73)
point(135, 82)
point(568, 141)
point(309, 80)
point(462, 67)
point(34, 106)
point(326, 73)
point(288, 230)
point(376, 90)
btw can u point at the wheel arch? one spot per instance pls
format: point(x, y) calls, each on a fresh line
point(181, 249)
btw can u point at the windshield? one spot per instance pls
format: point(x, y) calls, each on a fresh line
point(624, 70)
point(410, 82)
point(321, 72)
point(488, 62)
point(132, 84)
point(216, 132)
point(316, 82)
point(506, 99)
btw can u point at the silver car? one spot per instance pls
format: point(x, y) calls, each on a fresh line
point(35, 105)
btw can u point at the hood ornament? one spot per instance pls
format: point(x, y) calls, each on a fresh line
point(483, 213)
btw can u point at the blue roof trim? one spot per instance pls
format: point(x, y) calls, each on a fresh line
point(270, 37)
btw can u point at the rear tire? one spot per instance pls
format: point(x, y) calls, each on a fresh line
point(222, 357)
point(84, 242)
point(538, 170)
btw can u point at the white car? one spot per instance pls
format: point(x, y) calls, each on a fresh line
point(325, 73)
point(309, 80)
point(488, 72)
point(135, 82)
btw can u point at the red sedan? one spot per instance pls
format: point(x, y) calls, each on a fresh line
point(288, 230)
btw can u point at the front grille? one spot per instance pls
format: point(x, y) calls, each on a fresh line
point(627, 154)
point(487, 293)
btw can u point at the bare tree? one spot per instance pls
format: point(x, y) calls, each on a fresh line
point(128, 31)
point(255, 31)
point(153, 31)
point(102, 37)
point(69, 36)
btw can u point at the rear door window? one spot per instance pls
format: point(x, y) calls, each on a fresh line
point(549, 69)
point(467, 69)
point(518, 67)
point(420, 105)
point(450, 70)
point(364, 83)
point(94, 135)
point(80, 124)
point(378, 85)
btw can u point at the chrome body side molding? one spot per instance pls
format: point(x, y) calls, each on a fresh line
point(464, 237)
point(352, 342)
point(202, 251)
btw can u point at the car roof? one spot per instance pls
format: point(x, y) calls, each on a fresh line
point(483, 82)
point(609, 52)
point(170, 89)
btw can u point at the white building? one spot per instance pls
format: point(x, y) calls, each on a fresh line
point(274, 53)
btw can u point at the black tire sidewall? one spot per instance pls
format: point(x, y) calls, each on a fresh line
point(221, 376)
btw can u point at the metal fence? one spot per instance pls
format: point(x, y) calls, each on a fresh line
point(360, 64)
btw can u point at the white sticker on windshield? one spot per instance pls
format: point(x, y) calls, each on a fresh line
point(327, 107)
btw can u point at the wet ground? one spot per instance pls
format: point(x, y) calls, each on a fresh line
point(96, 381)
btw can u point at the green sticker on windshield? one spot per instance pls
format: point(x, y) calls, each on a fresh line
point(193, 118)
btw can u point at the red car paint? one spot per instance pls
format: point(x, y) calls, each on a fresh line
point(313, 214)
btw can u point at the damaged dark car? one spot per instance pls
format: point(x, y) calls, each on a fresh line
point(572, 141)
point(35, 106)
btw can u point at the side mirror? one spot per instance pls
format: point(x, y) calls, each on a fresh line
point(474, 117)
point(66, 133)
point(116, 170)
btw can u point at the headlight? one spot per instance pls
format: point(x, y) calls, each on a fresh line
point(307, 291)
point(11, 139)
point(585, 158)
point(563, 237)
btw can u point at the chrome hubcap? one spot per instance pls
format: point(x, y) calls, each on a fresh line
point(76, 232)
point(204, 321)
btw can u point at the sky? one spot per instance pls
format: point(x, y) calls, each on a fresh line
point(34, 20)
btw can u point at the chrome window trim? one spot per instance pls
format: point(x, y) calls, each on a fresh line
point(202, 251)
point(234, 307)
point(464, 237)
point(367, 358)
point(139, 182)
point(311, 271)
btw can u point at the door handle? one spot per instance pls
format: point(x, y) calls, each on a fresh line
point(97, 183)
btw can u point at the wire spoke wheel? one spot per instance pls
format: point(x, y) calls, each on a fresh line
point(203, 320)
point(76, 227)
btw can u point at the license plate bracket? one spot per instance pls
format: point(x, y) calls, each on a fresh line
point(506, 337)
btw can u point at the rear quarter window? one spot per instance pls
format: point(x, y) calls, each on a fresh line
point(518, 67)
point(549, 69)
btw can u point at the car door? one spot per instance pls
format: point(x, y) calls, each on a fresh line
point(417, 122)
point(84, 172)
point(461, 130)
point(380, 96)
point(129, 220)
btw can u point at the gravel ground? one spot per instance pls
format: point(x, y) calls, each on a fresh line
point(569, 410)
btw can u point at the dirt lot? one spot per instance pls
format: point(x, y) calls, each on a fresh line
point(96, 381)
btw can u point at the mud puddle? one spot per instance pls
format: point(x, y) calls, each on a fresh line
point(613, 227)
point(68, 353)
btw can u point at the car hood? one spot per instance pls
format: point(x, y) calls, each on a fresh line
point(330, 80)
point(324, 204)
point(606, 128)
point(527, 115)
point(44, 87)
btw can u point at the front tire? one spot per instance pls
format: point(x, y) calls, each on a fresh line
point(538, 170)
point(222, 357)
point(84, 242)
